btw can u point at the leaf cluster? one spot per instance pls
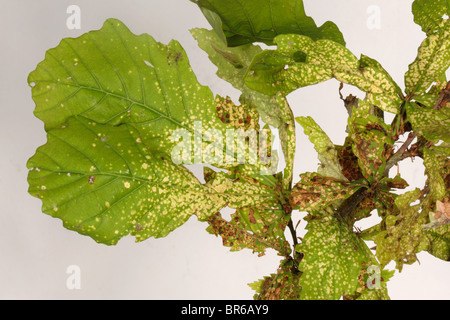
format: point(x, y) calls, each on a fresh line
point(116, 105)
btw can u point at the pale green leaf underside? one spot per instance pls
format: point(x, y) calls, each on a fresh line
point(327, 154)
point(232, 64)
point(243, 22)
point(102, 181)
point(288, 140)
point(299, 61)
point(112, 76)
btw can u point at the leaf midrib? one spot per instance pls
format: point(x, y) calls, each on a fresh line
point(156, 183)
point(115, 95)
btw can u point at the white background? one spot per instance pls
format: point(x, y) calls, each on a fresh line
point(35, 250)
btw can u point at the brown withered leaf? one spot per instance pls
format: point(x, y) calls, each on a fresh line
point(283, 285)
point(349, 161)
point(239, 116)
point(256, 228)
point(232, 236)
point(369, 146)
point(371, 141)
point(440, 217)
point(314, 191)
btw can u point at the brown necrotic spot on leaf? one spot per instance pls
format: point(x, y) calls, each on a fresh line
point(239, 116)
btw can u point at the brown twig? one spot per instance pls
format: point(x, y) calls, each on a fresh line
point(444, 97)
point(350, 204)
point(293, 232)
point(396, 157)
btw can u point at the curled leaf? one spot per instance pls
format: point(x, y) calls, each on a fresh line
point(327, 153)
point(243, 22)
point(300, 61)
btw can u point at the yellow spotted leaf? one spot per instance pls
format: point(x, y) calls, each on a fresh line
point(299, 61)
point(112, 76)
point(104, 182)
point(433, 60)
point(333, 259)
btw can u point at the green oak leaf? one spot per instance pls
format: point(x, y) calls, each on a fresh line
point(243, 22)
point(432, 60)
point(430, 13)
point(426, 99)
point(112, 76)
point(231, 62)
point(104, 182)
point(333, 259)
point(327, 153)
point(300, 61)
point(384, 101)
point(433, 124)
